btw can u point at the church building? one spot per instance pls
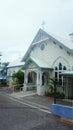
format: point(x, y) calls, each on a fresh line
point(49, 56)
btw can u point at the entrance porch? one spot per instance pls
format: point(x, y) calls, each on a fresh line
point(37, 74)
point(37, 80)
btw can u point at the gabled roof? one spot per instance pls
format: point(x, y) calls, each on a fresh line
point(15, 63)
point(38, 62)
point(43, 36)
point(62, 41)
point(40, 36)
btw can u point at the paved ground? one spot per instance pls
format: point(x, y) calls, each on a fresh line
point(15, 114)
point(32, 98)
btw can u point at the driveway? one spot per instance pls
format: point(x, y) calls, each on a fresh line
point(16, 115)
point(43, 103)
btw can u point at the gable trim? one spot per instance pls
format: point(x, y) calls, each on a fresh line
point(48, 36)
point(30, 59)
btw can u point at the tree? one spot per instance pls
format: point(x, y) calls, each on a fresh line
point(19, 76)
point(4, 68)
point(52, 84)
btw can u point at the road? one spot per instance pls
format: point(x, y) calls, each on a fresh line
point(15, 115)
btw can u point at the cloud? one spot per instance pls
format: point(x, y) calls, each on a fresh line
point(20, 20)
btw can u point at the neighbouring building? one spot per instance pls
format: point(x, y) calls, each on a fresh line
point(49, 56)
point(14, 67)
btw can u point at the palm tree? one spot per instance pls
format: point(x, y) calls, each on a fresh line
point(52, 84)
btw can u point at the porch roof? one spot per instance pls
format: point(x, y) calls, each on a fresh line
point(41, 64)
point(67, 73)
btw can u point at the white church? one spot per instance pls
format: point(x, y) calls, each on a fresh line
point(49, 56)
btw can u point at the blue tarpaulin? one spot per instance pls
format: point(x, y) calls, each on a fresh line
point(3, 77)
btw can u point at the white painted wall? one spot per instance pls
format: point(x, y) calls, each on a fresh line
point(53, 54)
point(12, 70)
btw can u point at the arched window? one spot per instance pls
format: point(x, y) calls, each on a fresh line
point(64, 67)
point(60, 66)
point(58, 70)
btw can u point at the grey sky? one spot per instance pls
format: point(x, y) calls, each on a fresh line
point(21, 19)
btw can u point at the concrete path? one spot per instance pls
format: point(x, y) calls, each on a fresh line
point(21, 94)
point(31, 98)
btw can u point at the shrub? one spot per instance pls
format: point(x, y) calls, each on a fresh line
point(18, 78)
point(58, 95)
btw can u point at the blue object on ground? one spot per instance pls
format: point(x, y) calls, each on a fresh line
point(62, 111)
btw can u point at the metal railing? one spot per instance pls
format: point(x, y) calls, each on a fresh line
point(18, 87)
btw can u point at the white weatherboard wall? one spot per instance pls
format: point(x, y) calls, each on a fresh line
point(13, 70)
point(51, 53)
point(57, 50)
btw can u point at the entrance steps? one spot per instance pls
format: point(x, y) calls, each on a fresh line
point(23, 94)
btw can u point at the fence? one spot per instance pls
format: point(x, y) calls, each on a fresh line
point(61, 99)
point(18, 87)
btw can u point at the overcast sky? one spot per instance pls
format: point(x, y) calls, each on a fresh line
point(21, 19)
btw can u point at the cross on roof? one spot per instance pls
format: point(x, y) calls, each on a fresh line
point(43, 25)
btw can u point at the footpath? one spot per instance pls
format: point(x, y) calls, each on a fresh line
point(31, 98)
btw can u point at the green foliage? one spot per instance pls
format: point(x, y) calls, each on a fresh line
point(52, 84)
point(18, 77)
point(52, 89)
point(4, 68)
point(58, 95)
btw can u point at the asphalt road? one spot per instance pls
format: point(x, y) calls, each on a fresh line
point(18, 116)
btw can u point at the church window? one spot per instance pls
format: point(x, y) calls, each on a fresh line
point(60, 66)
point(64, 67)
point(58, 70)
point(42, 47)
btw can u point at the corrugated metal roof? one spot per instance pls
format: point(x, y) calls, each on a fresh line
point(66, 42)
point(39, 63)
point(17, 62)
point(43, 35)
